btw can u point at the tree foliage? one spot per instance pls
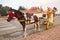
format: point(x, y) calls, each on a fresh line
point(2, 11)
point(6, 8)
point(21, 8)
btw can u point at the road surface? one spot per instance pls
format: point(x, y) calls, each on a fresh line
point(18, 32)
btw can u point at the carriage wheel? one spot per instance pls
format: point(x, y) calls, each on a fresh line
point(48, 25)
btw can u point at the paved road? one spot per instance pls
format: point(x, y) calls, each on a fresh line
point(15, 25)
point(51, 34)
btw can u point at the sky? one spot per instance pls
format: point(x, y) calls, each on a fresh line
point(31, 3)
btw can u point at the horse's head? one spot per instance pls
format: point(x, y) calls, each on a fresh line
point(11, 15)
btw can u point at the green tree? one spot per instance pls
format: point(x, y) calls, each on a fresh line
point(2, 11)
point(6, 8)
point(0, 5)
point(21, 8)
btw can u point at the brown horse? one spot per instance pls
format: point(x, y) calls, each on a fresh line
point(20, 16)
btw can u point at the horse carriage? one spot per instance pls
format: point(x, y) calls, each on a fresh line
point(42, 18)
point(46, 18)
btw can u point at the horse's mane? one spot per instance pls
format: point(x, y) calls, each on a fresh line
point(18, 12)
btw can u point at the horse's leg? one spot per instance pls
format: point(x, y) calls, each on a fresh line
point(24, 28)
point(37, 26)
point(27, 20)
